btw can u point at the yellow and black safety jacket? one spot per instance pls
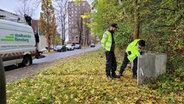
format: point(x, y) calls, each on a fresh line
point(132, 50)
point(107, 41)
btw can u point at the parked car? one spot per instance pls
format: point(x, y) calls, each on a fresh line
point(70, 47)
point(77, 46)
point(51, 47)
point(60, 48)
point(92, 45)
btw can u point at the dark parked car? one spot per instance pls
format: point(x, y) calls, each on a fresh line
point(51, 48)
point(77, 46)
point(60, 48)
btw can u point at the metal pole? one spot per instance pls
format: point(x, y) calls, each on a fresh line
point(2, 83)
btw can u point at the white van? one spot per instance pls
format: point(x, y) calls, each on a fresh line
point(17, 43)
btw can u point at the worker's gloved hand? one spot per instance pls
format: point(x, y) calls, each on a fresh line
point(141, 53)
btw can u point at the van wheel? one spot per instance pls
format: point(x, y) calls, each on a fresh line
point(27, 60)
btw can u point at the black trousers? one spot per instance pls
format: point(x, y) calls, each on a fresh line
point(124, 64)
point(111, 64)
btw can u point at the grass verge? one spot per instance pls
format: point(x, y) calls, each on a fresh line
point(82, 79)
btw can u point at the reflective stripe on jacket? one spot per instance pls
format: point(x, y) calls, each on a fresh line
point(133, 50)
point(106, 41)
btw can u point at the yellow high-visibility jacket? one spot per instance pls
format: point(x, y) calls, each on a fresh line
point(106, 41)
point(133, 49)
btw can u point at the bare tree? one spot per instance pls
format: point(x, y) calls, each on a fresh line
point(26, 8)
point(61, 12)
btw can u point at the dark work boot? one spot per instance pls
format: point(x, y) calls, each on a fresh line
point(119, 75)
point(134, 76)
point(114, 74)
point(109, 77)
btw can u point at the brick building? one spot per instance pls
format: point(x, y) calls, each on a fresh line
point(36, 29)
point(76, 24)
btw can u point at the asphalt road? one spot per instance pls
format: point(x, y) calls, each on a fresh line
point(59, 55)
point(15, 73)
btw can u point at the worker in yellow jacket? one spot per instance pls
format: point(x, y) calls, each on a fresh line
point(131, 54)
point(108, 45)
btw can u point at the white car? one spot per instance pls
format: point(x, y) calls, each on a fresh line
point(60, 48)
point(77, 46)
point(70, 47)
point(92, 45)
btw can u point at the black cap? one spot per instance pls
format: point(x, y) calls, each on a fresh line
point(114, 25)
point(141, 43)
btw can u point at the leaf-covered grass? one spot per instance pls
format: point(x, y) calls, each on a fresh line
point(82, 80)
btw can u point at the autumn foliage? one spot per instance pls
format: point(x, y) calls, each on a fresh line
point(48, 22)
point(158, 22)
point(82, 80)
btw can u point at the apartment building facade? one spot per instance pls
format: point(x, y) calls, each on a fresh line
point(77, 24)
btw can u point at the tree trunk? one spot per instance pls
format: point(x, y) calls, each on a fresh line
point(80, 32)
point(49, 43)
point(63, 42)
point(63, 36)
point(84, 32)
point(136, 28)
point(136, 20)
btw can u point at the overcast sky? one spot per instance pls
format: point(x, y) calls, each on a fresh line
point(8, 5)
point(12, 5)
